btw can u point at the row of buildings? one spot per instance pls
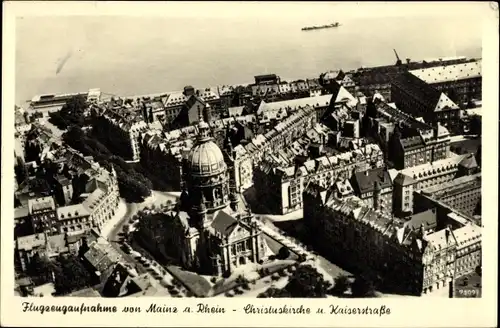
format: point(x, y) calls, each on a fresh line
point(414, 255)
point(79, 195)
point(272, 127)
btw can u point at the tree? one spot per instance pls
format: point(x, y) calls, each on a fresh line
point(70, 275)
point(283, 253)
point(306, 282)
point(341, 284)
point(74, 110)
point(363, 287)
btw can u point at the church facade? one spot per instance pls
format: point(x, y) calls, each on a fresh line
point(212, 230)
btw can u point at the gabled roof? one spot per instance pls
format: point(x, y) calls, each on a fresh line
point(418, 89)
point(224, 223)
point(367, 180)
point(444, 103)
point(404, 180)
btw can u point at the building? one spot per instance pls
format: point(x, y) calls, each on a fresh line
point(97, 206)
point(403, 195)
point(419, 99)
point(374, 188)
point(468, 256)
point(463, 194)
point(208, 232)
point(427, 146)
point(119, 128)
point(42, 212)
point(461, 82)
point(378, 79)
point(27, 247)
point(282, 186)
point(285, 132)
point(49, 103)
point(181, 108)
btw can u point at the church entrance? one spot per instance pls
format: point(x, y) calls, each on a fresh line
point(242, 260)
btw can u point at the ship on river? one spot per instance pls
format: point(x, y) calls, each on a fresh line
point(309, 28)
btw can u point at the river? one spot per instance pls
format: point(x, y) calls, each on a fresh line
point(140, 55)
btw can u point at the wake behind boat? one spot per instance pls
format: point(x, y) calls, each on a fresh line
point(309, 28)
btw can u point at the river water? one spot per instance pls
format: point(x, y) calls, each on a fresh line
point(134, 55)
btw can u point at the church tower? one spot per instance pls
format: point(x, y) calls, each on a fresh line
point(206, 176)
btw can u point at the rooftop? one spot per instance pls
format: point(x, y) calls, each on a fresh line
point(454, 186)
point(447, 73)
point(366, 180)
point(428, 170)
point(424, 93)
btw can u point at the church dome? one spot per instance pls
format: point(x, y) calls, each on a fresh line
point(206, 159)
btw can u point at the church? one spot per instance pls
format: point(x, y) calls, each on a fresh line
point(213, 230)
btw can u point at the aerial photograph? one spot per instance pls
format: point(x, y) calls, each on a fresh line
point(310, 154)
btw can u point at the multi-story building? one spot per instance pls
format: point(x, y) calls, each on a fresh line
point(119, 128)
point(410, 180)
point(416, 97)
point(181, 108)
point(282, 187)
point(27, 247)
point(97, 206)
point(285, 132)
point(406, 256)
point(42, 212)
point(428, 146)
point(468, 249)
point(461, 82)
point(462, 194)
point(374, 188)
point(378, 79)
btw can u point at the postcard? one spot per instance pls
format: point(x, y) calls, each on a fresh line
point(249, 164)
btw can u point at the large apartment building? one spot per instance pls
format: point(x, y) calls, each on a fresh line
point(282, 187)
point(411, 256)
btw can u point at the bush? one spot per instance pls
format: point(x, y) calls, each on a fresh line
point(213, 280)
point(228, 294)
point(245, 286)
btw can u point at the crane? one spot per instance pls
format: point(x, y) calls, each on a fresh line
point(398, 61)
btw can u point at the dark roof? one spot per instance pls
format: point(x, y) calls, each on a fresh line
point(418, 89)
point(428, 219)
point(469, 162)
point(366, 181)
point(224, 223)
point(193, 100)
point(404, 180)
point(115, 281)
